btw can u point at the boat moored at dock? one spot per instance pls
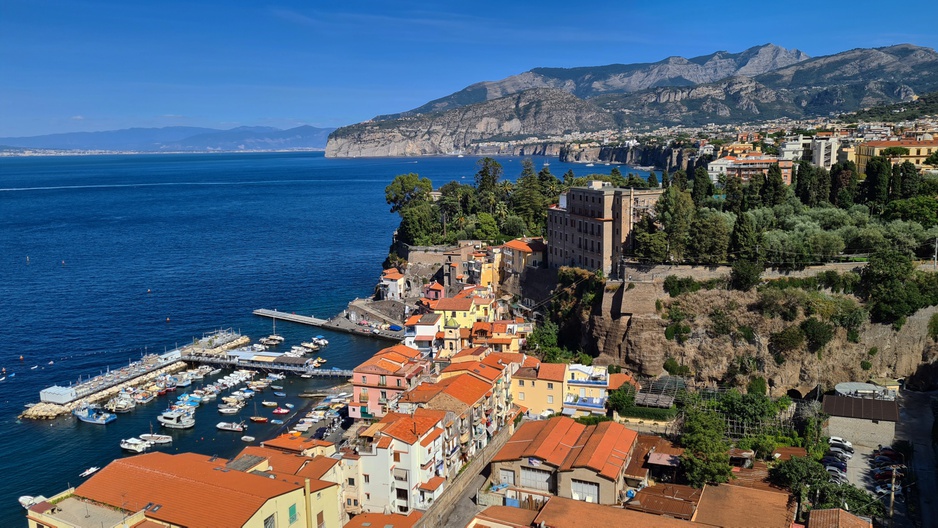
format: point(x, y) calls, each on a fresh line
point(136, 445)
point(93, 415)
point(177, 419)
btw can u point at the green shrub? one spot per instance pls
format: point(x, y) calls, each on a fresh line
point(757, 385)
point(853, 336)
point(748, 334)
point(873, 351)
point(677, 331)
point(720, 323)
point(866, 365)
point(817, 333)
point(649, 413)
point(675, 285)
point(658, 305)
point(671, 365)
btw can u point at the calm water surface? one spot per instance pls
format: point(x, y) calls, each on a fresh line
point(211, 237)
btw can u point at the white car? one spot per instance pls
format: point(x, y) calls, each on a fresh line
point(839, 440)
point(884, 489)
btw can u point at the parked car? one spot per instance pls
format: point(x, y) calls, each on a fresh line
point(885, 474)
point(881, 450)
point(881, 461)
point(843, 447)
point(836, 462)
point(835, 469)
point(839, 440)
point(891, 455)
point(886, 488)
point(840, 453)
point(837, 479)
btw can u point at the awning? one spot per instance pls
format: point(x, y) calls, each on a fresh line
point(567, 411)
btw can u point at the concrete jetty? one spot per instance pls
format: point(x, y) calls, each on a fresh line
point(338, 323)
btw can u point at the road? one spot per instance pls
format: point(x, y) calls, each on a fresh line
point(915, 425)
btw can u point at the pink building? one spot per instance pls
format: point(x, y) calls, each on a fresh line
point(383, 378)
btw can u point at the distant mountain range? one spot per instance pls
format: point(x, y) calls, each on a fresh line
point(761, 83)
point(178, 139)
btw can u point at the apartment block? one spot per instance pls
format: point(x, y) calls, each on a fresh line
point(919, 149)
point(384, 377)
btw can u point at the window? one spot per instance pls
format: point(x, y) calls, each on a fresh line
point(270, 522)
point(585, 491)
point(399, 383)
point(401, 494)
point(368, 496)
point(293, 516)
point(550, 386)
point(364, 379)
point(320, 520)
point(351, 481)
point(383, 380)
point(348, 502)
point(521, 383)
point(550, 398)
point(520, 396)
point(397, 456)
point(367, 480)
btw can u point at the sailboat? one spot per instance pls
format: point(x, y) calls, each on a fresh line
point(258, 418)
point(273, 339)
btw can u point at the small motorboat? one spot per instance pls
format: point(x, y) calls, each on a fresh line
point(135, 444)
point(247, 438)
point(259, 419)
point(88, 472)
point(269, 403)
point(280, 394)
point(276, 422)
point(288, 405)
point(280, 410)
point(157, 438)
point(277, 387)
point(231, 426)
point(27, 501)
point(228, 410)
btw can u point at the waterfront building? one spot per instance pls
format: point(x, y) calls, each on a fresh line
point(384, 377)
point(517, 256)
point(919, 149)
point(591, 227)
point(180, 490)
point(540, 388)
point(749, 166)
point(401, 462)
point(564, 458)
point(391, 286)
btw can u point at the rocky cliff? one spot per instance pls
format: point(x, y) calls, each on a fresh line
point(661, 157)
point(523, 115)
point(638, 341)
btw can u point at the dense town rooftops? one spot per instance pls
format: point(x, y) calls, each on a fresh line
point(183, 486)
point(408, 428)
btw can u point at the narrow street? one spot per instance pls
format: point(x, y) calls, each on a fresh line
point(915, 425)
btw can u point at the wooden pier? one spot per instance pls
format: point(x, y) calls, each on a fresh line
point(292, 317)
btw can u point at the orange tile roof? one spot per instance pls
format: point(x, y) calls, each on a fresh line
point(434, 434)
point(296, 444)
point(901, 143)
point(473, 352)
point(732, 507)
point(569, 513)
point(532, 245)
point(183, 485)
point(467, 388)
point(621, 378)
point(316, 467)
point(412, 320)
point(432, 484)
point(507, 515)
point(552, 371)
point(503, 358)
point(835, 519)
point(392, 274)
point(284, 462)
point(550, 440)
point(436, 286)
point(409, 428)
point(454, 304)
point(606, 450)
point(384, 520)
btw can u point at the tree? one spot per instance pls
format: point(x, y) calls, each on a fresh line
point(709, 238)
point(706, 458)
point(615, 173)
point(527, 200)
point(894, 152)
point(909, 180)
point(745, 275)
point(675, 211)
point(568, 177)
point(744, 242)
point(550, 185)
point(844, 184)
point(419, 225)
point(817, 333)
point(752, 194)
point(679, 180)
point(703, 187)
point(932, 159)
point(490, 171)
point(886, 286)
point(407, 189)
point(806, 184)
point(876, 186)
point(774, 191)
point(665, 179)
point(652, 180)
point(734, 195)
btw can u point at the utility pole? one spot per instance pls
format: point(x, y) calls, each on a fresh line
point(892, 494)
point(935, 259)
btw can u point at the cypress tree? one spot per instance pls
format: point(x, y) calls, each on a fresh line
point(744, 239)
point(773, 193)
point(679, 180)
point(734, 195)
point(653, 180)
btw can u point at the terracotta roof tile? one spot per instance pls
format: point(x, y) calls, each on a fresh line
point(732, 507)
point(295, 444)
point(569, 513)
point(621, 378)
point(391, 274)
point(432, 484)
point(552, 371)
point(606, 451)
point(507, 515)
point(835, 519)
point(183, 484)
point(409, 428)
point(454, 304)
point(384, 520)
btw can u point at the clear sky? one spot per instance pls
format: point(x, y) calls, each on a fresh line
point(78, 65)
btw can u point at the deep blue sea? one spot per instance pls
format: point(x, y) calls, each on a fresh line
point(211, 237)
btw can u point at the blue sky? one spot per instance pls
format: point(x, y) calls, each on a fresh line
point(80, 65)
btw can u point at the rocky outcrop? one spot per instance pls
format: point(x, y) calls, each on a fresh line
point(661, 157)
point(638, 342)
point(521, 116)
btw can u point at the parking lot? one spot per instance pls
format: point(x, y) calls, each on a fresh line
point(860, 474)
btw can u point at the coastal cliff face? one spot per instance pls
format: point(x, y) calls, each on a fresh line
point(662, 157)
point(523, 115)
point(638, 342)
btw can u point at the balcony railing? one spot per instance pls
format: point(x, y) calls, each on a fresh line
point(592, 403)
point(601, 382)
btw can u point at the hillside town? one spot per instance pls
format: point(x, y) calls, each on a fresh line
point(469, 422)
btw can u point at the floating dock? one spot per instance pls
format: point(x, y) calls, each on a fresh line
point(338, 324)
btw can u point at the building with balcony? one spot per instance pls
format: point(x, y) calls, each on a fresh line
point(564, 458)
point(586, 390)
point(748, 167)
point(425, 333)
point(186, 489)
point(400, 459)
point(540, 388)
point(517, 256)
point(465, 309)
point(384, 377)
point(591, 227)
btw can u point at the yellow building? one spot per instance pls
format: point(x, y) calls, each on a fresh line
point(182, 490)
point(540, 388)
point(464, 311)
point(918, 151)
point(586, 390)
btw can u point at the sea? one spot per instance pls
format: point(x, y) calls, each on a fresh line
point(106, 258)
